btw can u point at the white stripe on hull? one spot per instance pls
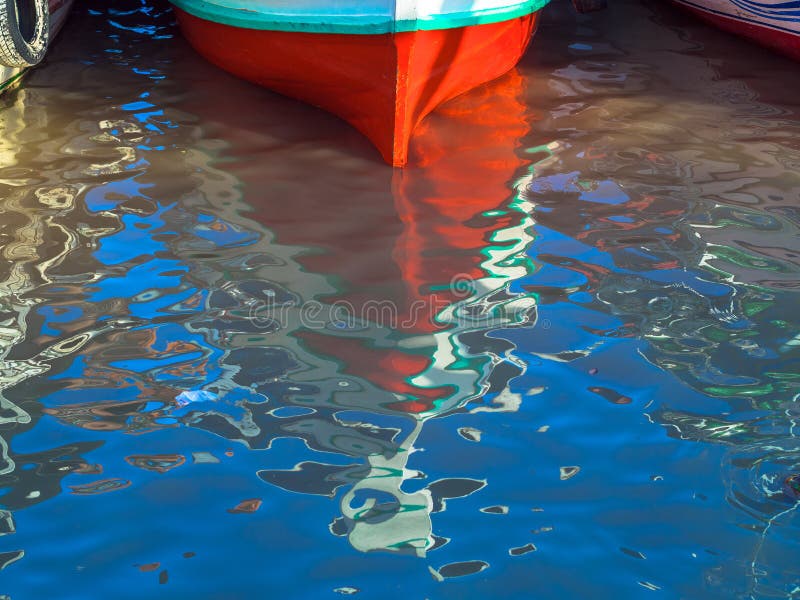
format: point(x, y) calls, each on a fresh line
point(411, 10)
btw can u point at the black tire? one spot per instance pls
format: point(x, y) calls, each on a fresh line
point(24, 32)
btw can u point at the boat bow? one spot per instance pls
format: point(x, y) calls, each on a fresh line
point(380, 65)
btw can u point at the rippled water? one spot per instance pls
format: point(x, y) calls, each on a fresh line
point(557, 357)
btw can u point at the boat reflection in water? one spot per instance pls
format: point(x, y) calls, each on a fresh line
point(212, 312)
point(418, 347)
point(347, 330)
point(400, 337)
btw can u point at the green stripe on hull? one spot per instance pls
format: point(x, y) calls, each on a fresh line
point(11, 81)
point(366, 25)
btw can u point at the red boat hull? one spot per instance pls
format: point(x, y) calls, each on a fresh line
point(783, 41)
point(383, 85)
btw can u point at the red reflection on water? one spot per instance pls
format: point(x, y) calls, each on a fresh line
point(131, 416)
point(246, 506)
point(160, 463)
point(100, 487)
point(441, 205)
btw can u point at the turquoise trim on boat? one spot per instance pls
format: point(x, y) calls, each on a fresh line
point(247, 18)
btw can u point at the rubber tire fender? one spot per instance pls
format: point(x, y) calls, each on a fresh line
point(24, 32)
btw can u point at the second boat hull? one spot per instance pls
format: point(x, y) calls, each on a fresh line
point(382, 84)
point(772, 24)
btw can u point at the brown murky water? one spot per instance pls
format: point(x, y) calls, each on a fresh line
point(580, 301)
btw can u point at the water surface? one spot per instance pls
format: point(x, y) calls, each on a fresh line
point(556, 357)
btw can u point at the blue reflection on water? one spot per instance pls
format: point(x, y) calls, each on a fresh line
point(561, 361)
